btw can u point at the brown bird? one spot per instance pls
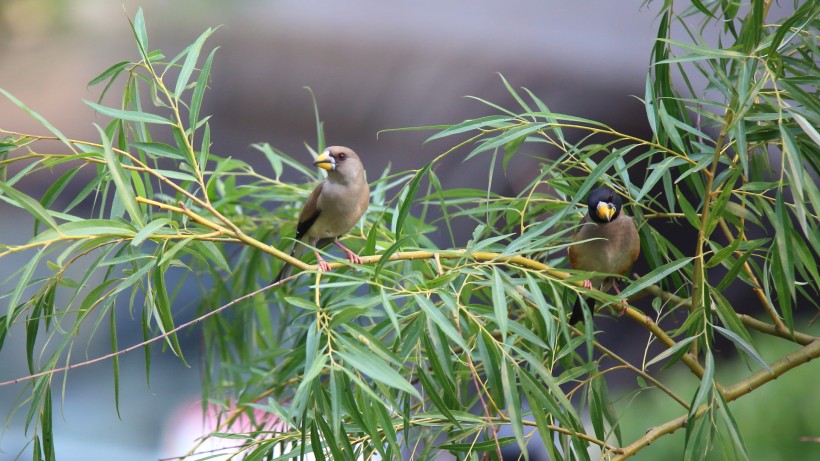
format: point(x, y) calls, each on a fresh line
point(609, 244)
point(333, 208)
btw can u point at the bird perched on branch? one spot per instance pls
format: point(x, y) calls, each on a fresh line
point(609, 243)
point(333, 208)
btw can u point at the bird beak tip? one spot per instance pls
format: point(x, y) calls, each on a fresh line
point(325, 161)
point(605, 211)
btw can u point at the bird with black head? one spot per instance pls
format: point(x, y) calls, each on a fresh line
point(606, 241)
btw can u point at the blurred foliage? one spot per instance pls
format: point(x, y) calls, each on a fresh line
point(423, 350)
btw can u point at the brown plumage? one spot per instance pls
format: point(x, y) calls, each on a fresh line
point(333, 208)
point(615, 247)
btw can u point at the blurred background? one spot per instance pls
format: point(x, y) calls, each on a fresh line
point(372, 66)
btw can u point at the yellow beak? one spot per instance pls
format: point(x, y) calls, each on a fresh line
point(325, 161)
point(605, 210)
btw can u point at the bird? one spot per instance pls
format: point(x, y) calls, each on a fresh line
point(609, 243)
point(333, 208)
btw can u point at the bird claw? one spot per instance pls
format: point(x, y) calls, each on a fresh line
point(588, 284)
point(624, 307)
point(323, 266)
point(353, 257)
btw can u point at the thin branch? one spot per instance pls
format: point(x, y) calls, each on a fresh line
point(147, 342)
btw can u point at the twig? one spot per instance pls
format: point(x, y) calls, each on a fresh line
point(149, 341)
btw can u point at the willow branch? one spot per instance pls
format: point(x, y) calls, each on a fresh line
point(743, 387)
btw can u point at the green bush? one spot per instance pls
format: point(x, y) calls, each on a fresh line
point(424, 349)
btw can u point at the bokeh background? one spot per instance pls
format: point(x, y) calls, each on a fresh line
point(372, 66)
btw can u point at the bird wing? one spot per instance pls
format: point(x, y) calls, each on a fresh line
point(573, 250)
point(310, 212)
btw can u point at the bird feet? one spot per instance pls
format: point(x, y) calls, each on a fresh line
point(323, 265)
point(622, 302)
point(351, 256)
point(588, 284)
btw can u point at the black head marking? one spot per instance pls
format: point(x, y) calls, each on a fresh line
point(603, 205)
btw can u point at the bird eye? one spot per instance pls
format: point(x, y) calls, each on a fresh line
point(342, 156)
point(611, 198)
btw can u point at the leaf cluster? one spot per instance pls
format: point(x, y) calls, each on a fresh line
point(424, 349)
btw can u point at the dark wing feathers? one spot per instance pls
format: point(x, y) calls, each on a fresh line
point(310, 212)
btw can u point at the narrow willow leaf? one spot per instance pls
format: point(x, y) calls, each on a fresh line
point(124, 190)
point(433, 313)
point(488, 353)
point(435, 398)
point(485, 446)
point(731, 426)
point(163, 311)
point(40, 119)
point(138, 27)
point(654, 276)
point(513, 404)
point(377, 369)
point(190, 62)
point(199, 90)
point(671, 351)
point(506, 137)
point(706, 383)
point(111, 73)
point(149, 229)
point(409, 197)
point(743, 345)
point(213, 254)
point(159, 149)
point(470, 125)
point(29, 204)
point(21, 285)
point(658, 170)
point(688, 211)
point(783, 232)
point(500, 303)
point(129, 115)
point(387, 304)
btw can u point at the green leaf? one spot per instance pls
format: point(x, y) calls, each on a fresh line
point(199, 90)
point(159, 149)
point(377, 369)
point(149, 229)
point(706, 383)
point(435, 398)
point(671, 351)
point(212, 253)
point(513, 405)
point(433, 313)
point(40, 119)
point(121, 180)
point(500, 303)
point(744, 346)
point(29, 204)
point(470, 125)
point(190, 63)
point(21, 285)
point(409, 197)
point(138, 27)
point(654, 276)
point(128, 115)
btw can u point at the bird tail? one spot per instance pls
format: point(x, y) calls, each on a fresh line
point(578, 310)
point(286, 270)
